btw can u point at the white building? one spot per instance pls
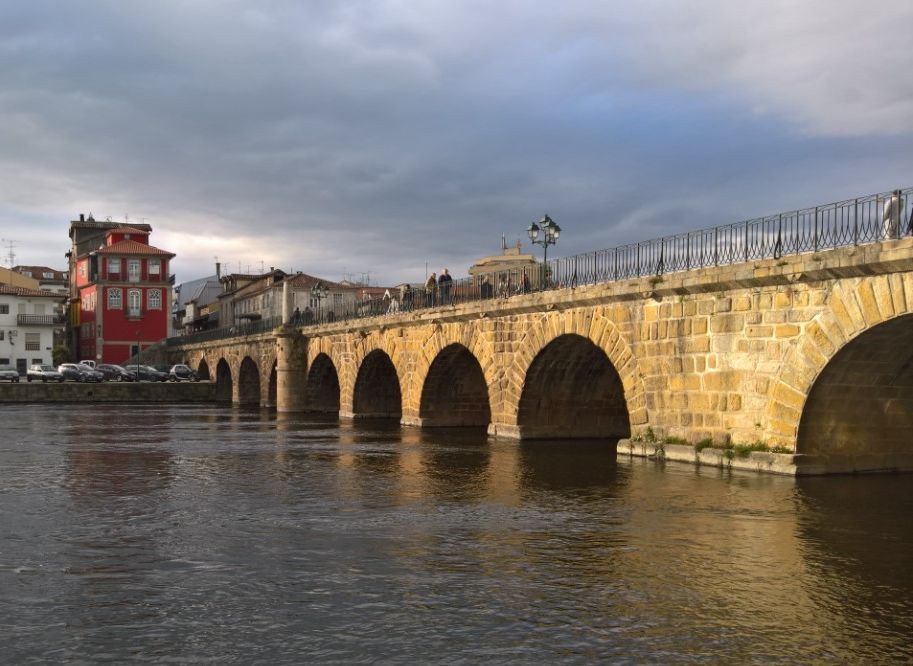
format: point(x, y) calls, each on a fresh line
point(28, 318)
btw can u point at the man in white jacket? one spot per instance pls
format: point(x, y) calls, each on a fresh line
point(890, 218)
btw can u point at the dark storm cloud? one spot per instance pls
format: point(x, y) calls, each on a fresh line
point(373, 136)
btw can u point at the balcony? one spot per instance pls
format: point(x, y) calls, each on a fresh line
point(41, 320)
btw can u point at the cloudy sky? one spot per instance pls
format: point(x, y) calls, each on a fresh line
point(350, 136)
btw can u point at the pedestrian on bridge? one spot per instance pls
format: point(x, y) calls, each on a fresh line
point(890, 219)
point(444, 283)
point(431, 290)
point(486, 289)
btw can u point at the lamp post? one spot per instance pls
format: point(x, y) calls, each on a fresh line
point(137, 355)
point(318, 292)
point(550, 233)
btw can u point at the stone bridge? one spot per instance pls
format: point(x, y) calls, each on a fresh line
point(811, 353)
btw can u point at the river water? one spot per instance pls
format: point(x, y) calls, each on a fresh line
point(199, 534)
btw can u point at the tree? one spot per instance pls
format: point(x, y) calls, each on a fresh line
point(61, 354)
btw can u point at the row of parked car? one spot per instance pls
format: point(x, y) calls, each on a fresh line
point(84, 372)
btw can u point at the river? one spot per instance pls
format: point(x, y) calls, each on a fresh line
point(206, 535)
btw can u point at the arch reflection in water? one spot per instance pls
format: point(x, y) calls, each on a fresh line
point(856, 543)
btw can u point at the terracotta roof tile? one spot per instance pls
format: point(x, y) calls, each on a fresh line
point(39, 271)
point(128, 230)
point(132, 247)
point(8, 290)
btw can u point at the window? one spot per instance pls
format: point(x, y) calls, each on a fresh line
point(47, 276)
point(133, 270)
point(155, 267)
point(82, 269)
point(2, 334)
point(38, 308)
point(37, 361)
point(4, 308)
point(113, 265)
point(4, 361)
point(337, 300)
point(27, 273)
point(115, 299)
point(155, 299)
point(33, 342)
point(134, 297)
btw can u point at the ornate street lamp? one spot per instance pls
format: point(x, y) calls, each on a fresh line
point(318, 292)
point(550, 233)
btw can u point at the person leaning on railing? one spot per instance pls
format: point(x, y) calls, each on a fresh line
point(890, 219)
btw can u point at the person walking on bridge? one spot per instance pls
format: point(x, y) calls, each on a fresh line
point(431, 290)
point(444, 283)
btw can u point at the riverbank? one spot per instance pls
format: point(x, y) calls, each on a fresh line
point(159, 392)
point(789, 464)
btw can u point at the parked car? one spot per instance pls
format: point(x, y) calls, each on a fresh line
point(114, 373)
point(9, 373)
point(181, 373)
point(145, 373)
point(92, 375)
point(43, 373)
point(91, 364)
point(71, 372)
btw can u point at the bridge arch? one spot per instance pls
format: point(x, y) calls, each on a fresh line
point(224, 383)
point(322, 392)
point(455, 392)
point(585, 333)
point(846, 386)
point(203, 370)
point(862, 401)
point(377, 392)
point(572, 390)
point(248, 383)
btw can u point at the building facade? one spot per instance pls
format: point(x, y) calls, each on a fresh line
point(248, 298)
point(57, 282)
point(28, 321)
point(120, 293)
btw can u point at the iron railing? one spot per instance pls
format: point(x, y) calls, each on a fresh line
point(841, 224)
point(248, 328)
point(40, 320)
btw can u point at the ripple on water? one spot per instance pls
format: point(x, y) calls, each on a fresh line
point(198, 534)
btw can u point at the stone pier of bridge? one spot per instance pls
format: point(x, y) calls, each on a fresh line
point(810, 354)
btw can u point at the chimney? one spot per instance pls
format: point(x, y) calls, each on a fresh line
point(218, 269)
point(82, 217)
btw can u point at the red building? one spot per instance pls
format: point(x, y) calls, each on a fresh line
point(120, 295)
